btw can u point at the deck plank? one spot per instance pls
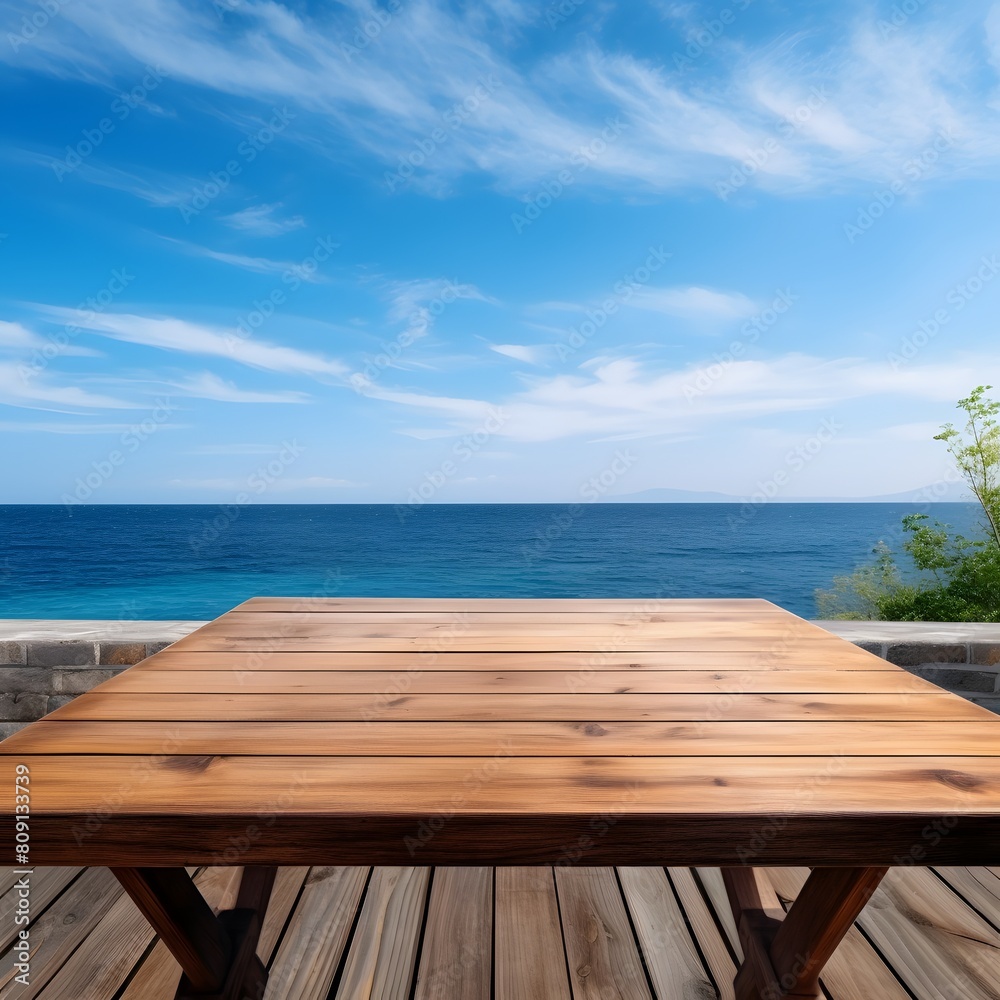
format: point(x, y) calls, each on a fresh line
point(383, 951)
point(603, 959)
point(670, 955)
point(457, 956)
point(529, 958)
point(937, 945)
point(310, 951)
point(60, 930)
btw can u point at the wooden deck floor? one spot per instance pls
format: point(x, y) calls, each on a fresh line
point(509, 934)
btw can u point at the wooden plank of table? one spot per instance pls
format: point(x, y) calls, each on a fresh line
point(515, 642)
point(665, 613)
point(845, 657)
point(312, 946)
point(529, 960)
point(600, 948)
point(456, 959)
point(284, 682)
point(383, 951)
point(752, 605)
point(671, 956)
point(929, 707)
point(514, 810)
point(751, 630)
point(598, 738)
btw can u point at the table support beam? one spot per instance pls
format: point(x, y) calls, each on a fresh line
point(785, 954)
point(216, 953)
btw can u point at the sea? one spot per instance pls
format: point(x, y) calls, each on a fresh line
point(166, 562)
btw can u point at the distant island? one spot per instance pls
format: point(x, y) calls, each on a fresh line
point(934, 493)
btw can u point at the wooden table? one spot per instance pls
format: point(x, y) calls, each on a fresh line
point(511, 732)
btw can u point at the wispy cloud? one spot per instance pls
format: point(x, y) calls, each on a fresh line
point(208, 386)
point(258, 265)
point(873, 98)
point(17, 338)
point(694, 303)
point(529, 354)
point(281, 485)
point(621, 397)
point(171, 334)
point(38, 391)
point(263, 220)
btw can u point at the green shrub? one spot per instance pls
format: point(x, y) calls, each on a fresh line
point(947, 577)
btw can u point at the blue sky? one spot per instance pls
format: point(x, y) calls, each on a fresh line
point(499, 251)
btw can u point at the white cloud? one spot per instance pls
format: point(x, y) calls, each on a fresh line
point(208, 386)
point(621, 398)
point(281, 485)
point(694, 303)
point(172, 334)
point(36, 390)
point(17, 338)
point(884, 96)
point(531, 355)
point(263, 220)
point(258, 265)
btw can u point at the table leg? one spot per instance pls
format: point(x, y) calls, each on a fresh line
point(785, 954)
point(218, 954)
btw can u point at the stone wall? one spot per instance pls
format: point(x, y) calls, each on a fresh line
point(45, 664)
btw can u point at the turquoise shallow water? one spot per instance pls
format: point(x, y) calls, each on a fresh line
point(161, 562)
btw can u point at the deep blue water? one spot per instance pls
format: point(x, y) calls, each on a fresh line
point(161, 562)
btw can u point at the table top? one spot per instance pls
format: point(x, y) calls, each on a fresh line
point(430, 731)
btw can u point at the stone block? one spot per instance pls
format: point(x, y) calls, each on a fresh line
point(61, 654)
point(58, 700)
point(985, 653)
point(155, 647)
point(121, 654)
point(959, 679)
point(17, 679)
point(11, 652)
point(913, 654)
point(9, 728)
point(80, 679)
point(24, 707)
